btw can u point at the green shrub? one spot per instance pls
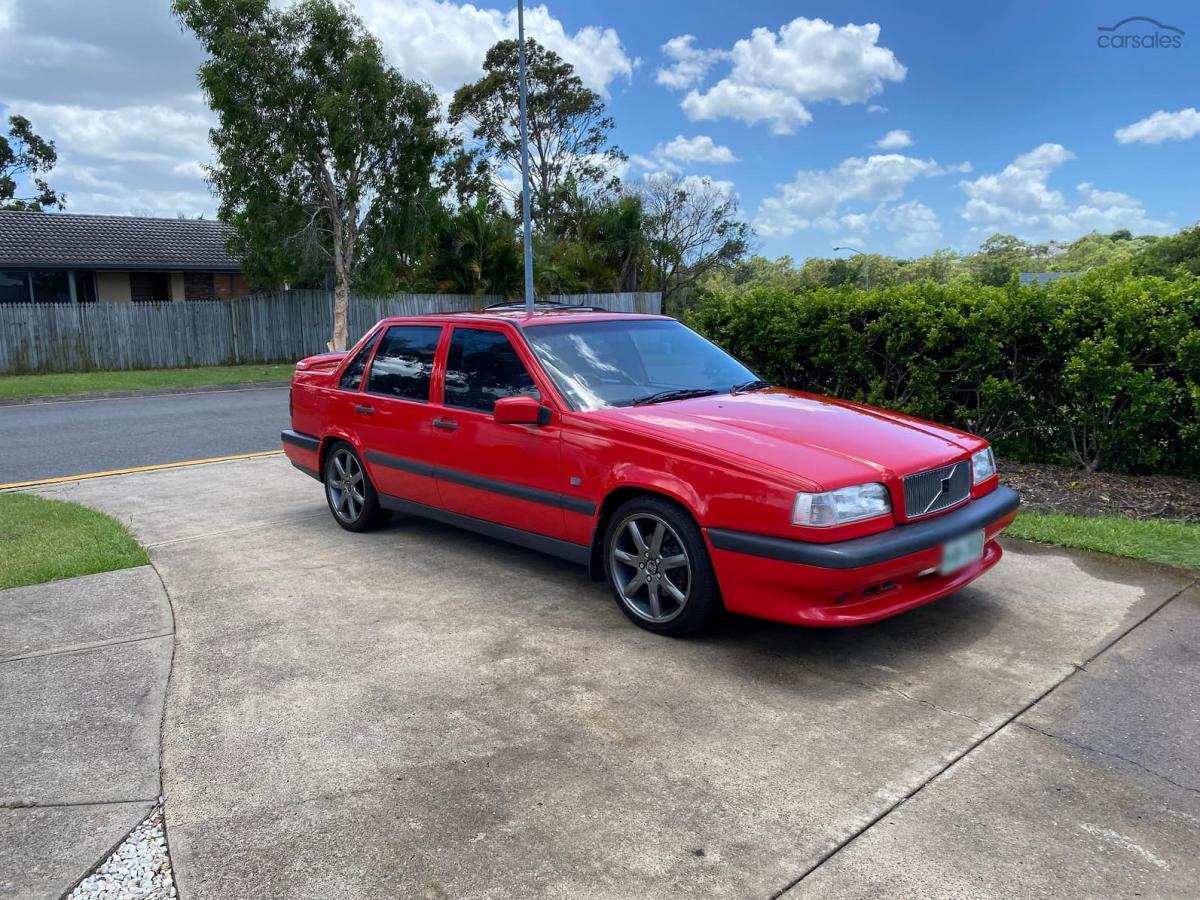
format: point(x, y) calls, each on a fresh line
point(1102, 370)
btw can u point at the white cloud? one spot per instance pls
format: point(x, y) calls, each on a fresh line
point(876, 108)
point(772, 76)
point(142, 133)
point(896, 139)
point(698, 149)
point(1161, 126)
point(1018, 199)
point(680, 152)
point(915, 225)
point(813, 199)
point(444, 43)
point(689, 65)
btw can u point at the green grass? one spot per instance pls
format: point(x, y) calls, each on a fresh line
point(44, 540)
point(1173, 543)
point(19, 387)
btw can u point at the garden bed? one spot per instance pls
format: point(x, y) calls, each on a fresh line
point(1058, 489)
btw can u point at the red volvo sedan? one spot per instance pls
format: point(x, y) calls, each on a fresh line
point(632, 445)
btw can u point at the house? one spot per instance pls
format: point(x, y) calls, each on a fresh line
point(67, 258)
point(1043, 277)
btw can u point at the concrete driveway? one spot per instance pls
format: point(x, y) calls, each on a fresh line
point(422, 712)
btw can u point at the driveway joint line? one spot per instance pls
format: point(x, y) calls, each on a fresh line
point(210, 534)
point(971, 748)
point(13, 805)
point(83, 648)
point(1108, 753)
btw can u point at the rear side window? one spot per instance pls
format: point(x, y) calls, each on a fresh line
point(481, 368)
point(352, 377)
point(403, 367)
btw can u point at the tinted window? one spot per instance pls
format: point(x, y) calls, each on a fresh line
point(352, 377)
point(404, 364)
point(482, 367)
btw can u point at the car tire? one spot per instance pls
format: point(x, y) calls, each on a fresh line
point(657, 563)
point(348, 491)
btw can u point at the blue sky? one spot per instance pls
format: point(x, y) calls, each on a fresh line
point(1011, 117)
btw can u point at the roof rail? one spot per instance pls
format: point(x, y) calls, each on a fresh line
point(546, 304)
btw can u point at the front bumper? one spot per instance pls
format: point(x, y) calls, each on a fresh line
point(857, 581)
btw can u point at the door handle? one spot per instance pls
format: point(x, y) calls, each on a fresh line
point(365, 410)
point(445, 424)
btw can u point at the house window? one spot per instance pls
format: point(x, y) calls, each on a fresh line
point(14, 286)
point(149, 287)
point(20, 286)
point(199, 286)
point(51, 287)
point(85, 287)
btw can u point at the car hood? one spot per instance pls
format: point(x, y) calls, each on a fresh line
point(828, 442)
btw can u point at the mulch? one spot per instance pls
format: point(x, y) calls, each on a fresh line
point(1049, 488)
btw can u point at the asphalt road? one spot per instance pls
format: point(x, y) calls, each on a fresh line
point(49, 440)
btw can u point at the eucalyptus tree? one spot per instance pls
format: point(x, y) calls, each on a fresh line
point(317, 138)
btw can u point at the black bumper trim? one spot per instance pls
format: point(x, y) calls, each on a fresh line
point(311, 473)
point(876, 548)
point(303, 441)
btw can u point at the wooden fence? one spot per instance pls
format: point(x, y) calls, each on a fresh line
point(275, 327)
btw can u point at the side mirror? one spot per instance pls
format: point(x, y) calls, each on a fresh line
point(521, 411)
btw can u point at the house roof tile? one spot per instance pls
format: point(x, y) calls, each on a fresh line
point(67, 240)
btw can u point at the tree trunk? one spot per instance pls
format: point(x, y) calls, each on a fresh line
point(341, 309)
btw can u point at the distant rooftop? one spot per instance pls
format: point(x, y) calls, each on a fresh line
point(1044, 277)
point(68, 241)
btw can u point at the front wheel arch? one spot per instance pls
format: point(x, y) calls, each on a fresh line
point(611, 503)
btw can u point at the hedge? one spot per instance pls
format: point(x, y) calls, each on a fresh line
point(1101, 370)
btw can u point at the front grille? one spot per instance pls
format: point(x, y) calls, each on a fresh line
point(928, 492)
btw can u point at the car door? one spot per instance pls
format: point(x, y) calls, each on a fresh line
point(394, 417)
point(498, 472)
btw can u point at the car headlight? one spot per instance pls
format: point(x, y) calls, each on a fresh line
point(983, 465)
point(849, 504)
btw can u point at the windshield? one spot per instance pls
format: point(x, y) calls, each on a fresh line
point(619, 363)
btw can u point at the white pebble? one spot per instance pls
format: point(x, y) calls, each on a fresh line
point(139, 869)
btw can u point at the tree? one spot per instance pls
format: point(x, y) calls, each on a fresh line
point(998, 258)
point(568, 129)
point(317, 139)
point(1167, 255)
point(691, 231)
point(24, 153)
point(475, 252)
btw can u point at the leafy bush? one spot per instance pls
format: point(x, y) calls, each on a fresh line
point(1102, 370)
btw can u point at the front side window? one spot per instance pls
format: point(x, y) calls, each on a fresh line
point(619, 363)
point(403, 367)
point(352, 377)
point(482, 367)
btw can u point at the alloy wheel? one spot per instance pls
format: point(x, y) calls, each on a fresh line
point(650, 567)
point(344, 482)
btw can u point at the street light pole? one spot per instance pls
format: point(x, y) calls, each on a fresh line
point(866, 271)
point(525, 216)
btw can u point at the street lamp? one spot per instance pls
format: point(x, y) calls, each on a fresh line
point(525, 219)
point(866, 272)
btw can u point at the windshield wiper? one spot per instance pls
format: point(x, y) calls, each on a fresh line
point(675, 394)
point(756, 385)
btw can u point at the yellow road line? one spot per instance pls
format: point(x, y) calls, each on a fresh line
point(130, 471)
